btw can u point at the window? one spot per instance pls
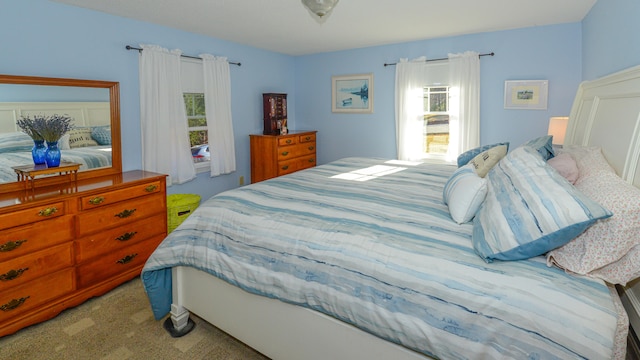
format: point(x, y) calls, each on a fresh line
point(436, 120)
point(197, 122)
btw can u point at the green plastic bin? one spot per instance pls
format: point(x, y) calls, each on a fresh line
point(179, 207)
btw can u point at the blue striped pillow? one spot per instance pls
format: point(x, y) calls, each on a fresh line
point(530, 209)
point(543, 145)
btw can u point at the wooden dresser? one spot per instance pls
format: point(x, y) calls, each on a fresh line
point(64, 244)
point(276, 155)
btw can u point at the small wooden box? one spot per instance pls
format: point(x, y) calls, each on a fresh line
point(275, 113)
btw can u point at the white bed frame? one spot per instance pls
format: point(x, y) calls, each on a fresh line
point(605, 113)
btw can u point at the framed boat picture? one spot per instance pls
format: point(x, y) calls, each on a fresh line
point(352, 93)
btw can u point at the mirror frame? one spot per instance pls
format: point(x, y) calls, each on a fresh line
point(114, 100)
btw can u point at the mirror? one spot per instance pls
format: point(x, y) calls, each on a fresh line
point(94, 106)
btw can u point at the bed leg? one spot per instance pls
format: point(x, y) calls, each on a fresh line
point(179, 323)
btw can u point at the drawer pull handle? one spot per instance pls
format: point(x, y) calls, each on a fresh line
point(308, 138)
point(285, 167)
point(13, 304)
point(126, 236)
point(96, 200)
point(12, 274)
point(11, 245)
point(312, 160)
point(288, 141)
point(48, 211)
point(151, 188)
point(127, 259)
point(311, 147)
point(125, 213)
point(285, 153)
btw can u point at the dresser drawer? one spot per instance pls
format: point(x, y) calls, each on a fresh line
point(287, 140)
point(122, 213)
point(107, 198)
point(39, 235)
point(35, 214)
point(25, 268)
point(19, 299)
point(117, 262)
point(112, 240)
point(300, 163)
point(290, 152)
point(307, 138)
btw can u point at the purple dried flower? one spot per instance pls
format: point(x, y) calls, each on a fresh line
point(51, 128)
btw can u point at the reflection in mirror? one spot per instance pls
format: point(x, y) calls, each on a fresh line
point(94, 141)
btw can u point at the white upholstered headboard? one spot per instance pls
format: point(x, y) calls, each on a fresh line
point(82, 113)
point(606, 113)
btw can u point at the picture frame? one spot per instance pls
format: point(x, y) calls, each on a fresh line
point(526, 94)
point(352, 93)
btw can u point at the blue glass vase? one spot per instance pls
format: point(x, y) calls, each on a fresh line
point(38, 152)
point(53, 155)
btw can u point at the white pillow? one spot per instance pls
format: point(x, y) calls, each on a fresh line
point(464, 193)
point(63, 143)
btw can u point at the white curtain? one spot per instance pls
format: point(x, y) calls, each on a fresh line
point(165, 136)
point(217, 102)
point(410, 82)
point(464, 105)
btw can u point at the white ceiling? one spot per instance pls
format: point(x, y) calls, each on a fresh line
point(287, 27)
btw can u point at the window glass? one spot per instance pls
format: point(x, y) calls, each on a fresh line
point(436, 120)
point(197, 122)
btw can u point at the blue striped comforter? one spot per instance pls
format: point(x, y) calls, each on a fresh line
point(385, 256)
point(88, 157)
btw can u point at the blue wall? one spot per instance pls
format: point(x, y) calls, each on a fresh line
point(542, 53)
point(610, 38)
point(43, 38)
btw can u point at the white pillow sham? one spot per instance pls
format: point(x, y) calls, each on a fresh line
point(464, 193)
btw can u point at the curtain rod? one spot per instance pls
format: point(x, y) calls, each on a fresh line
point(129, 47)
point(429, 60)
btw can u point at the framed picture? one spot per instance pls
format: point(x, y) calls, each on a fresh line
point(352, 93)
point(526, 94)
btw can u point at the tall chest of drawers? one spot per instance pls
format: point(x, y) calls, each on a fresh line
point(277, 155)
point(60, 246)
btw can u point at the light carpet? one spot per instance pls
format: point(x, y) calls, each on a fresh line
point(119, 325)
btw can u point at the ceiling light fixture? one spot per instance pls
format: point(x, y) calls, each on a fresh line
point(320, 7)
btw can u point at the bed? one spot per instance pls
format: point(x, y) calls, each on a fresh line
point(361, 258)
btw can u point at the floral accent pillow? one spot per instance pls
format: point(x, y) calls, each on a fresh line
point(610, 249)
point(81, 137)
point(487, 159)
point(465, 157)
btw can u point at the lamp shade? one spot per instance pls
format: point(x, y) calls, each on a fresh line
point(320, 7)
point(558, 128)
